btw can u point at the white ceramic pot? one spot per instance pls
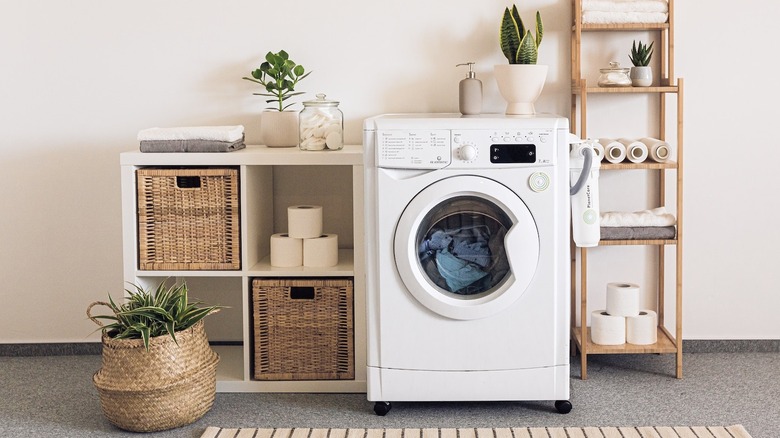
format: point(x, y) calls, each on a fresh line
point(520, 85)
point(279, 128)
point(641, 76)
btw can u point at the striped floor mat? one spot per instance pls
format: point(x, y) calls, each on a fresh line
point(736, 431)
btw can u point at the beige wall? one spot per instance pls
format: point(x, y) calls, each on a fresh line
point(80, 78)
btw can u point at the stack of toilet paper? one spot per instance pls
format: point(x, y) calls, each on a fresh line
point(304, 244)
point(622, 321)
point(635, 151)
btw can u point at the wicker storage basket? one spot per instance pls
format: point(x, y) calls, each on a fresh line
point(303, 329)
point(169, 386)
point(188, 219)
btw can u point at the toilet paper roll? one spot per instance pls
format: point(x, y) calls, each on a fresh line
point(658, 150)
point(642, 329)
point(622, 299)
point(614, 151)
point(304, 221)
point(636, 151)
point(322, 251)
point(606, 329)
point(286, 251)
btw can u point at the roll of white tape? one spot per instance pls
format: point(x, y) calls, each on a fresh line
point(606, 329)
point(636, 151)
point(622, 299)
point(304, 221)
point(643, 328)
point(286, 251)
point(321, 251)
point(614, 151)
point(658, 150)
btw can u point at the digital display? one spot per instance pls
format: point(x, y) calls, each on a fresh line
point(512, 153)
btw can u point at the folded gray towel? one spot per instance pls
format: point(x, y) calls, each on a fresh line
point(638, 233)
point(191, 145)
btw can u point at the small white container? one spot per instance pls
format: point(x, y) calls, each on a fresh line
point(321, 125)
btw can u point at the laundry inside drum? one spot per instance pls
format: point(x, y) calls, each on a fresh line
point(461, 246)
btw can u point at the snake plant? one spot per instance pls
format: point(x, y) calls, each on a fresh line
point(641, 54)
point(148, 314)
point(517, 42)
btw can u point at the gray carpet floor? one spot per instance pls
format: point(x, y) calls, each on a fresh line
point(52, 396)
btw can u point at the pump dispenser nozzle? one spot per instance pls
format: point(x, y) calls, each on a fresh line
point(470, 92)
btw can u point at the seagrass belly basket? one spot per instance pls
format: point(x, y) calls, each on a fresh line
point(166, 387)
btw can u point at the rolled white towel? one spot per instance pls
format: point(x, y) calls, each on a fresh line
point(658, 150)
point(657, 217)
point(214, 133)
point(614, 151)
point(625, 5)
point(600, 17)
point(636, 151)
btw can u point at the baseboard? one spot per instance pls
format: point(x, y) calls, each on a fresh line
point(689, 346)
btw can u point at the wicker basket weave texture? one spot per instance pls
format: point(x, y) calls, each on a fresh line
point(309, 338)
point(169, 386)
point(188, 228)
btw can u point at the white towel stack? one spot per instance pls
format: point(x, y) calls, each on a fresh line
point(657, 217)
point(624, 11)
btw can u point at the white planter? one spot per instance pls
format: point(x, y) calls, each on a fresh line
point(520, 85)
point(641, 76)
point(279, 128)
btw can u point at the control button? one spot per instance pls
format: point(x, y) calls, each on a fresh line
point(468, 152)
point(542, 139)
point(493, 138)
point(539, 181)
point(589, 216)
point(507, 139)
point(529, 139)
point(518, 139)
point(456, 139)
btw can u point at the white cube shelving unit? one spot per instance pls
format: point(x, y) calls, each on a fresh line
point(270, 180)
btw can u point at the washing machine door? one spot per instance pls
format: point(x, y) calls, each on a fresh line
point(466, 247)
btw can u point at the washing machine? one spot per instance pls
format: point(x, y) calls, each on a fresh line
point(468, 280)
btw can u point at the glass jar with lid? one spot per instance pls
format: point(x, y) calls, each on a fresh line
point(614, 76)
point(321, 125)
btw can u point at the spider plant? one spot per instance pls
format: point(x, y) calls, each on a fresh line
point(150, 313)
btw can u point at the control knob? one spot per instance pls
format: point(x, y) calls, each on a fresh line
point(468, 152)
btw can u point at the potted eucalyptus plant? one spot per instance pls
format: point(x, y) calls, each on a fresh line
point(279, 75)
point(522, 79)
point(641, 73)
point(158, 370)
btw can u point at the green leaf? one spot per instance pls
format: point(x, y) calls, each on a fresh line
point(298, 70)
point(509, 36)
point(527, 52)
point(539, 29)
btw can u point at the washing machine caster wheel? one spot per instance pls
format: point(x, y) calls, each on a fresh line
point(382, 408)
point(563, 406)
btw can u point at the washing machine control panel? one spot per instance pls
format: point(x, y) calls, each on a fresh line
point(507, 148)
point(470, 148)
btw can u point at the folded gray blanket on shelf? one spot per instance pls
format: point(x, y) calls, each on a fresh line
point(191, 145)
point(638, 233)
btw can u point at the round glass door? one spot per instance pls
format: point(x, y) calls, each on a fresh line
point(466, 254)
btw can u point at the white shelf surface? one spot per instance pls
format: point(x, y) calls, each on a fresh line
point(345, 268)
point(251, 155)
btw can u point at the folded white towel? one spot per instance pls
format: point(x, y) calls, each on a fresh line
point(657, 217)
point(613, 17)
point(213, 133)
point(625, 5)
